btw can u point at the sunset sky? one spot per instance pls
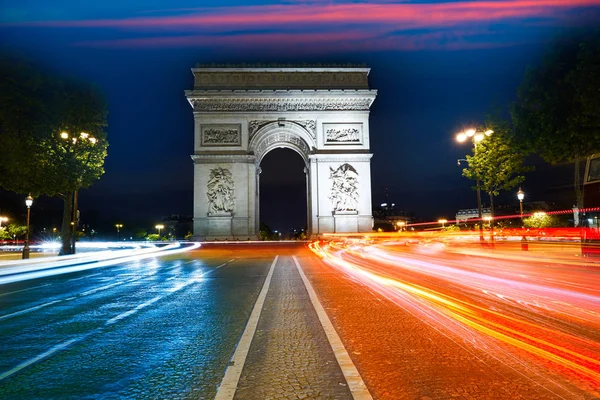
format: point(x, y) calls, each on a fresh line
point(439, 66)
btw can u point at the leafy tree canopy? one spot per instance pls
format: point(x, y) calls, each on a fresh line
point(496, 162)
point(36, 108)
point(12, 231)
point(557, 113)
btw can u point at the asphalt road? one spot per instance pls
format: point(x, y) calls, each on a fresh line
point(158, 328)
point(420, 319)
point(438, 319)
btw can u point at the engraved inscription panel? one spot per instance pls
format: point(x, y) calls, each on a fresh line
point(221, 135)
point(348, 133)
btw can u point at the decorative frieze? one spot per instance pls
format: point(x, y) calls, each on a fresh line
point(282, 104)
point(344, 188)
point(220, 135)
point(350, 133)
point(220, 192)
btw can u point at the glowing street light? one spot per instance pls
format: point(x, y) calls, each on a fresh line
point(442, 221)
point(118, 226)
point(159, 227)
point(28, 203)
point(401, 225)
point(521, 196)
point(5, 219)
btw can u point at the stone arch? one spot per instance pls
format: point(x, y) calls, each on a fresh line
point(287, 134)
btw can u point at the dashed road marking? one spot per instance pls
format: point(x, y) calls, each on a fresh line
point(233, 372)
point(355, 383)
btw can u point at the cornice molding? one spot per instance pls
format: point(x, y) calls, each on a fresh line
point(280, 104)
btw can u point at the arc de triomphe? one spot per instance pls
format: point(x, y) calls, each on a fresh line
point(240, 114)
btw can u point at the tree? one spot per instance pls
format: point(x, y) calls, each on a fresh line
point(496, 161)
point(52, 133)
point(12, 231)
point(543, 220)
point(557, 112)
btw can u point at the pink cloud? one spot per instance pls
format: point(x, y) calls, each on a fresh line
point(315, 42)
point(399, 15)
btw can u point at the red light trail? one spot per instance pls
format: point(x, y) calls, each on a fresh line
point(536, 310)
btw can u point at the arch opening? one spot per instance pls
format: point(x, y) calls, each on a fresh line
point(283, 194)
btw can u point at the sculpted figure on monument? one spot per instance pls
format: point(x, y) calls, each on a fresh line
point(220, 191)
point(344, 188)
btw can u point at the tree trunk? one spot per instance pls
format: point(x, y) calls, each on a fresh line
point(74, 220)
point(67, 229)
point(491, 210)
point(577, 183)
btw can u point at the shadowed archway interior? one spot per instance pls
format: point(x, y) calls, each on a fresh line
point(283, 191)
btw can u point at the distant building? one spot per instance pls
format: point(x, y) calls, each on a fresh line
point(387, 218)
point(177, 226)
point(464, 215)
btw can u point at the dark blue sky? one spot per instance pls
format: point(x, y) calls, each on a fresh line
point(439, 66)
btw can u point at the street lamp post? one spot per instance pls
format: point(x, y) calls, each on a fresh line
point(119, 226)
point(28, 203)
point(521, 196)
point(159, 227)
point(475, 137)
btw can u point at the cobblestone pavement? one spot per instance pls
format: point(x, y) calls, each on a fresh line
point(401, 357)
point(290, 357)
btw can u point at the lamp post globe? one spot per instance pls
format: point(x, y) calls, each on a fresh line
point(118, 226)
point(28, 203)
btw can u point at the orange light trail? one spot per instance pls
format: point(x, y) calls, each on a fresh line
point(531, 306)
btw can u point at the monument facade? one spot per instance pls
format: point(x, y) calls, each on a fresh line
point(240, 114)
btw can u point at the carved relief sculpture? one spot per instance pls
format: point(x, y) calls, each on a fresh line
point(216, 135)
point(220, 191)
point(342, 133)
point(344, 188)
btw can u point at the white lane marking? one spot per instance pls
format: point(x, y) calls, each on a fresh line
point(355, 383)
point(29, 309)
point(86, 293)
point(134, 310)
point(83, 277)
point(24, 290)
point(111, 321)
point(39, 357)
point(228, 385)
